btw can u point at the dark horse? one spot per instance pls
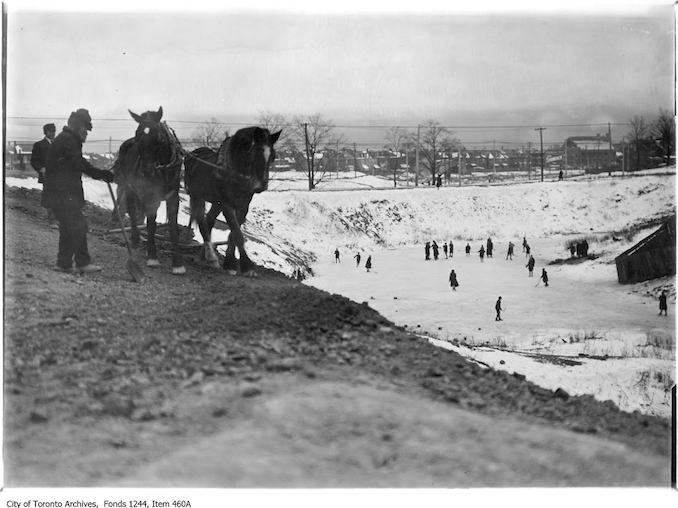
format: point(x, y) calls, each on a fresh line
point(148, 171)
point(228, 178)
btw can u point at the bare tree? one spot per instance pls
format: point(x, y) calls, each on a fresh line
point(275, 122)
point(637, 133)
point(210, 133)
point(396, 138)
point(434, 138)
point(312, 132)
point(663, 131)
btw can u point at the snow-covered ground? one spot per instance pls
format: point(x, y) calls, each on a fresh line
point(583, 312)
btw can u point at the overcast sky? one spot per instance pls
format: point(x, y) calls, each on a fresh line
point(352, 67)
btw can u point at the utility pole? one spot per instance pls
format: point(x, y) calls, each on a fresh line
point(416, 164)
point(541, 145)
point(309, 163)
point(609, 137)
point(355, 162)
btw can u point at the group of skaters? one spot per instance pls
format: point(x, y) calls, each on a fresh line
point(487, 250)
point(432, 247)
point(580, 249)
point(357, 257)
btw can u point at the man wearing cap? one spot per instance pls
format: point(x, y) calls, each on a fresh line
point(62, 192)
point(39, 160)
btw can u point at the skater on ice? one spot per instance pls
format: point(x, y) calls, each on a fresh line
point(368, 263)
point(357, 259)
point(336, 255)
point(497, 307)
point(468, 249)
point(450, 248)
point(662, 303)
point(544, 277)
point(530, 266)
point(453, 280)
point(482, 253)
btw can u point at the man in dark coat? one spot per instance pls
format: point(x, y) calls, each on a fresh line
point(482, 253)
point(544, 277)
point(530, 265)
point(662, 303)
point(63, 192)
point(450, 248)
point(490, 246)
point(427, 250)
point(368, 263)
point(468, 249)
point(357, 259)
point(497, 307)
point(40, 149)
point(336, 255)
point(39, 160)
point(435, 250)
point(453, 280)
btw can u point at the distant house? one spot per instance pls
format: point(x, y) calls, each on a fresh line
point(652, 257)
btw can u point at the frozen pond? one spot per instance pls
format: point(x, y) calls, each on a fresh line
point(584, 311)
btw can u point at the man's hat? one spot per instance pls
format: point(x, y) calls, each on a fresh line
point(81, 117)
point(48, 127)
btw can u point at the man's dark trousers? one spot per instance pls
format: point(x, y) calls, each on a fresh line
point(72, 237)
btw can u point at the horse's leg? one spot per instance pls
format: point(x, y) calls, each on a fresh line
point(236, 239)
point(151, 250)
point(246, 264)
point(130, 203)
point(230, 263)
point(208, 224)
point(172, 203)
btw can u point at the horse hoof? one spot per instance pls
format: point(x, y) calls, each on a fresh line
point(178, 270)
point(152, 262)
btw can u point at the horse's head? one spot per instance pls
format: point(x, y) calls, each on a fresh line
point(252, 153)
point(148, 133)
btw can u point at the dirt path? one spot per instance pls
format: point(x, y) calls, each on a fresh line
point(110, 382)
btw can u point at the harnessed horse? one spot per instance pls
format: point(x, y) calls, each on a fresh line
point(228, 179)
point(148, 171)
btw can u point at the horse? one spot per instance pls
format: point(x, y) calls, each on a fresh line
point(228, 179)
point(148, 171)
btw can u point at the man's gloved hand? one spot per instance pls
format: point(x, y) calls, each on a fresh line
point(107, 176)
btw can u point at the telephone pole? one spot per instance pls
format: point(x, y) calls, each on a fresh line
point(416, 164)
point(309, 162)
point(355, 162)
point(541, 145)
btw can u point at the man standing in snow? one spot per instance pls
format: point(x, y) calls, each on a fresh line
point(427, 250)
point(435, 251)
point(336, 255)
point(490, 246)
point(468, 249)
point(530, 265)
point(662, 303)
point(453, 280)
point(509, 252)
point(64, 195)
point(524, 243)
point(497, 307)
point(527, 251)
point(544, 277)
point(357, 260)
point(451, 248)
point(445, 249)
point(482, 253)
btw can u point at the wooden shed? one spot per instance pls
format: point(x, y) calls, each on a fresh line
point(654, 256)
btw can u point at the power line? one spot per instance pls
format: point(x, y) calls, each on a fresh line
point(352, 126)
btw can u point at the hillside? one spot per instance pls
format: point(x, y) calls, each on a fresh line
point(215, 380)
